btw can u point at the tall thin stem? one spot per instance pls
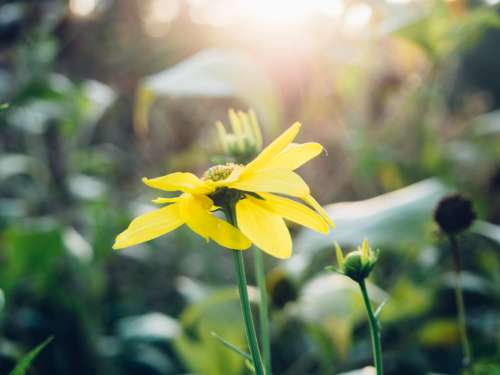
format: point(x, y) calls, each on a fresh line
point(245, 303)
point(263, 310)
point(467, 358)
point(374, 329)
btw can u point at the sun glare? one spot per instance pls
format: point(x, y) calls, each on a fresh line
point(158, 14)
point(263, 13)
point(82, 8)
point(357, 17)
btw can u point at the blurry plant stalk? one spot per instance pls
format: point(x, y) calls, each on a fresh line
point(358, 265)
point(455, 214)
point(243, 145)
point(462, 327)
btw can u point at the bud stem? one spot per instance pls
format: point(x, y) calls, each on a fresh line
point(244, 301)
point(374, 329)
point(467, 358)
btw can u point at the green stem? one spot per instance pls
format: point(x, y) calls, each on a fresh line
point(374, 329)
point(245, 303)
point(467, 358)
point(247, 313)
point(263, 309)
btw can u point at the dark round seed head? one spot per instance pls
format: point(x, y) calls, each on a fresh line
point(454, 213)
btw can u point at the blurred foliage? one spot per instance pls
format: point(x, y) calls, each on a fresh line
point(408, 109)
point(448, 28)
point(218, 313)
point(212, 74)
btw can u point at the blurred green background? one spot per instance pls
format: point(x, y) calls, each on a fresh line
point(405, 97)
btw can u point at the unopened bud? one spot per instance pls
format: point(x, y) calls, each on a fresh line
point(245, 140)
point(357, 264)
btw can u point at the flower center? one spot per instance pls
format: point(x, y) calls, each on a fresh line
point(219, 172)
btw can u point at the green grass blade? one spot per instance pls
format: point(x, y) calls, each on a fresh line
point(231, 347)
point(25, 362)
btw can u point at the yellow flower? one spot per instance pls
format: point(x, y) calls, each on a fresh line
point(254, 192)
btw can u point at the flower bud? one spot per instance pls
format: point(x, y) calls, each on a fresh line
point(454, 213)
point(245, 140)
point(357, 264)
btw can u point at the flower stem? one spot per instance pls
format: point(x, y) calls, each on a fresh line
point(244, 301)
point(374, 329)
point(263, 310)
point(467, 358)
point(247, 313)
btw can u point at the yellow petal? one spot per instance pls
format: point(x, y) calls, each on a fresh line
point(178, 181)
point(294, 155)
point(365, 248)
point(195, 213)
point(148, 226)
point(314, 204)
point(296, 212)
point(280, 181)
point(163, 200)
point(274, 148)
point(264, 228)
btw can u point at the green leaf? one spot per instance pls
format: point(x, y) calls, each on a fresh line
point(487, 124)
point(332, 269)
point(439, 333)
point(362, 371)
point(402, 217)
point(25, 362)
point(328, 298)
point(231, 347)
point(97, 98)
point(15, 164)
point(440, 32)
point(219, 312)
point(488, 230)
point(149, 327)
point(211, 73)
point(402, 291)
point(33, 250)
point(487, 367)
point(380, 307)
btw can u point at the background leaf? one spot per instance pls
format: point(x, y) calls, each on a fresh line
point(212, 73)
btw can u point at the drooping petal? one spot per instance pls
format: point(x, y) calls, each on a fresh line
point(296, 212)
point(295, 155)
point(273, 149)
point(148, 226)
point(280, 181)
point(163, 200)
point(195, 213)
point(178, 181)
point(320, 210)
point(264, 228)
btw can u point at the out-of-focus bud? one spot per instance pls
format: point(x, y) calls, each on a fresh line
point(357, 264)
point(281, 287)
point(454, 213)
point(244, 141)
